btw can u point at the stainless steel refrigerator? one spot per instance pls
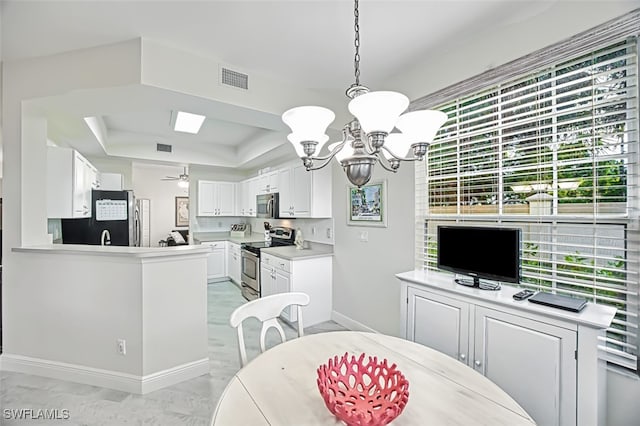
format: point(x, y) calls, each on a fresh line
point(113, 221)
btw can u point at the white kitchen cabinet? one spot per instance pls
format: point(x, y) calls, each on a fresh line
point(304, 193)
point(241, 203)
point(267, 183)
point(544, 358)
point(275, 279)
point(234, 264)
point(308, 275)
point(70, 179)
point(216, 198)
point(216, 260)
point(247, 191)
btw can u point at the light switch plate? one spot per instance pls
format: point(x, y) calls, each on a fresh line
point(364, 236)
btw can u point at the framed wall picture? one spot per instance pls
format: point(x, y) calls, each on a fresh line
point(368, 205)
point(182, 211)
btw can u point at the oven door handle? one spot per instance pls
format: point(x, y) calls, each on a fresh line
point(249, 253)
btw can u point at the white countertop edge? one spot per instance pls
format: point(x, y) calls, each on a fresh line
point(593, 315)
point(292, 253)
point(117, 251)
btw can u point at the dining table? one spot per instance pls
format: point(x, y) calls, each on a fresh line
point(279, 386)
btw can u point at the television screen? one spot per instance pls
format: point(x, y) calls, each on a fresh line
point(480, 252)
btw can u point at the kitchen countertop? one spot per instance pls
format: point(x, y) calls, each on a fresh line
point(202, 237)
point(292, 253)
point(118, 251)
point(286, 252)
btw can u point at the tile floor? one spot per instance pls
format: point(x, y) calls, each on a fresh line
point(188, 403)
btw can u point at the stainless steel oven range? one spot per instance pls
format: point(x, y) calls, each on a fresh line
point(250, 255)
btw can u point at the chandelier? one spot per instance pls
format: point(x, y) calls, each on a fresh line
point(369, 138)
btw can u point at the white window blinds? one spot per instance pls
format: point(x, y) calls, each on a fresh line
point(553, 151)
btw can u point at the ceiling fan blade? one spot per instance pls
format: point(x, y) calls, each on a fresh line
point(170, 178)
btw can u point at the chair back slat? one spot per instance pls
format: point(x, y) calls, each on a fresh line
point(267, 309)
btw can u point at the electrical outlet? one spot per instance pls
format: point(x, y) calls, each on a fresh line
point(328, 232)
point(313, 230)
point(122, 346)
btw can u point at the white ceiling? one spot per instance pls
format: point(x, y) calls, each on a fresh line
point(306, 43)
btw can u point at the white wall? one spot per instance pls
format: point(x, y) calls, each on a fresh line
point(123, 166)
point(70, 327)
point(497, 45)
point(364, 289)
point(148, 183)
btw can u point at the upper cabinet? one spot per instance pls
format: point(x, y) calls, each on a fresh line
point(303, 193)
point(70, 179)
point(267, 183)
point(216, 198)
point(247, 191)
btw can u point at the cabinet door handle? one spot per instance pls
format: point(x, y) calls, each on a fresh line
point(478, 363)
point(463, 357)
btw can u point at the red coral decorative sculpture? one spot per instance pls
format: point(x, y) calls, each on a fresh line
point(362, 393)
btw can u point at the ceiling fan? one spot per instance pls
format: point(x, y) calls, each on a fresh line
point(182, 178)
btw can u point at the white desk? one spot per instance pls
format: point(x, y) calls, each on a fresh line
point(279, 387)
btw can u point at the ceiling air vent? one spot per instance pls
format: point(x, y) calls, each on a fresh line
point(233, 78)
point(161, 147)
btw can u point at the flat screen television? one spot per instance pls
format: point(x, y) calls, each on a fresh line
point(491, 253)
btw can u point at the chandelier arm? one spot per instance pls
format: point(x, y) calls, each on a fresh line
point(400, 158)
point(387, 168)
point(325, 161)
point(337, 149)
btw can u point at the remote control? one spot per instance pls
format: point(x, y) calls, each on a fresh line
point(521, 295)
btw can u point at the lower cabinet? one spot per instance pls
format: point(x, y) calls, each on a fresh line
point(234, 265)
point(533, 356)
point(532, 361)
point(311, 276)
point(216, 261)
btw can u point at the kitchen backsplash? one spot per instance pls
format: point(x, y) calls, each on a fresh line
point(315, 230)
point(215, 224)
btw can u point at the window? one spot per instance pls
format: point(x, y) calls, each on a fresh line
point(552, 150)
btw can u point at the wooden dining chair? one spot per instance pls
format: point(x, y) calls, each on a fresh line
point(267, 309)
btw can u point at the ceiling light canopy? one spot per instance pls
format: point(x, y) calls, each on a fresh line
point(376, 114)
point(188, 123)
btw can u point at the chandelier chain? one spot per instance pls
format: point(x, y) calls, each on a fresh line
point(356, 59)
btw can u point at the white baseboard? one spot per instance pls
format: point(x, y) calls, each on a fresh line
point(350, 323)
point(171, 376)
point(104, 378)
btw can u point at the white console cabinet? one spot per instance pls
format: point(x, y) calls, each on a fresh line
point(545, 358)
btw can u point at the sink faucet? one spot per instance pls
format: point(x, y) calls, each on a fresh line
point(105, 238)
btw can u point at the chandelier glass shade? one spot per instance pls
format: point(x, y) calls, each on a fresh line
point(371, 133)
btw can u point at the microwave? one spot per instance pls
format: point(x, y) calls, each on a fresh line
point(267, 206)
